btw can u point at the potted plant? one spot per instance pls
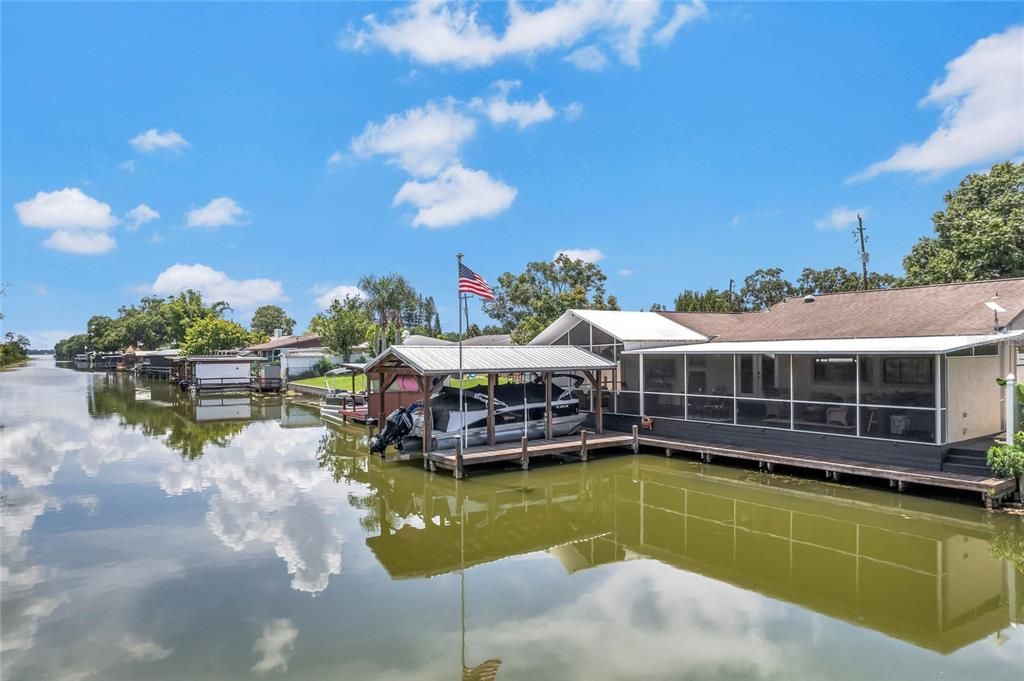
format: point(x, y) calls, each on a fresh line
point(1007, 460)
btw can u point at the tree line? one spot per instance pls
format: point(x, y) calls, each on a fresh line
point(979, 234)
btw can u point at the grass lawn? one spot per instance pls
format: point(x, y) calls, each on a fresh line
point(335, 382)
point(345, 382)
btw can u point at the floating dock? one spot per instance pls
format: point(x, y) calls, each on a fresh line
point(992, 490)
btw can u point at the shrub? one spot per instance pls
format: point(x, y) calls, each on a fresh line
point(1006, 460)
point(322, 366)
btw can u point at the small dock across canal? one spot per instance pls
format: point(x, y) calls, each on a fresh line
point(992, 490)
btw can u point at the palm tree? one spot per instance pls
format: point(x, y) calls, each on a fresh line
point(385, 298)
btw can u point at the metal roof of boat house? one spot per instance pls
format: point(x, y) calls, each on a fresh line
point(444, 359)
point(629, 326)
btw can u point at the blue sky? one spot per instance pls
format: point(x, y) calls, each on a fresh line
point(288, 149)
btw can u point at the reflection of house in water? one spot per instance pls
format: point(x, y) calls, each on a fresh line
point(222, 408)
point(927, 579)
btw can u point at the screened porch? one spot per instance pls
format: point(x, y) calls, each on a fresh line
point(893, 389)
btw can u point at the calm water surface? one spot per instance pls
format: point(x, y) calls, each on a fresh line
point(149, 536)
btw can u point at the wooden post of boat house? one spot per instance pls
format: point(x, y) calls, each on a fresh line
point(547, 405)
point(491, 380)
point(424, 385)
point(595, 381)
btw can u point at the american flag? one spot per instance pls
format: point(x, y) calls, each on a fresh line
point(471, 282)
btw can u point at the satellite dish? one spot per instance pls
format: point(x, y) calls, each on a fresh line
point(995, 307)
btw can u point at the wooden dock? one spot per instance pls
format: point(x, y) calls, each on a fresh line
point(992, 490)
point(581, 445)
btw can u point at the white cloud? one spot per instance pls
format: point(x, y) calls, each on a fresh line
point(840, 217)
point(455, 196)
point(81, 242)
point(524, 114)
point(422, 140)
point(572, 111)
point(683, 14)
point(221, 211)
point(625, 272)
point(68, 208)
point(584, 254)
point(982, 100)
point(436, 33)
point(588, 58)
point(143, 650)
point(127, 166)
point(275, 647)
point(329, 294)
point(216, 285)
point(335, 158)
point(140, 215)
point(153, 140)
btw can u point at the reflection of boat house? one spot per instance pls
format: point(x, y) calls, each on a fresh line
point(909, 574)
point(901, 376)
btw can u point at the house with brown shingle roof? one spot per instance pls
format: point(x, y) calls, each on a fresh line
point(897, 376)
point(273, 347)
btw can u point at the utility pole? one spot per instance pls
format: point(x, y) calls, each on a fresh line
point(732, 297)
point(863, 253)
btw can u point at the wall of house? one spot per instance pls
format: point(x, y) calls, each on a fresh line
point(226, 372)
point(974, 397)
point(824, 445)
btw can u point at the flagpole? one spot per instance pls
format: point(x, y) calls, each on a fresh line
point(458, 311)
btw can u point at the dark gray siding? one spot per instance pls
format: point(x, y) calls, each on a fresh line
point(909, 454)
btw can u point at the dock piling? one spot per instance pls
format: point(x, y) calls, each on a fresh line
point(583, 445)
point(459, 463)
point(636, 440)
point(524, 460)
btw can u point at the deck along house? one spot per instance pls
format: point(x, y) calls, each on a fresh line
point(901, 376)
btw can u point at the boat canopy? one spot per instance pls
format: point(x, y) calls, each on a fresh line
point(919, 345)
point(347, 368)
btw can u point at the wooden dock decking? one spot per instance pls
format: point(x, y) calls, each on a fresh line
point(993, 490)
point(522, 452)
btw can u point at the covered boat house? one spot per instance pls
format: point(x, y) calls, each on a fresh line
point(430, 365)
point(900, 376)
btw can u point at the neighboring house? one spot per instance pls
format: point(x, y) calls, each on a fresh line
point(493, 339)
point(897, 376)
point(273, 347)
point(497, 339)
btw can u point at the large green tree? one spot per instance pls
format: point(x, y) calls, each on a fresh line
point(764, 288)
point(386, 298)
point(67, 348)
point(711, 300)
point(840, 280)
point(268, 318)
point(342, 326)
point(978, 235)
point(211, 334)
point(13, 349)
point(185, 309)
point(527, 302)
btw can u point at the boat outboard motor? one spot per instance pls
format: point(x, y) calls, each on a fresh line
point(396, 426)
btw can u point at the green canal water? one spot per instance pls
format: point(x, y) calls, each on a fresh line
point(147, 535)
